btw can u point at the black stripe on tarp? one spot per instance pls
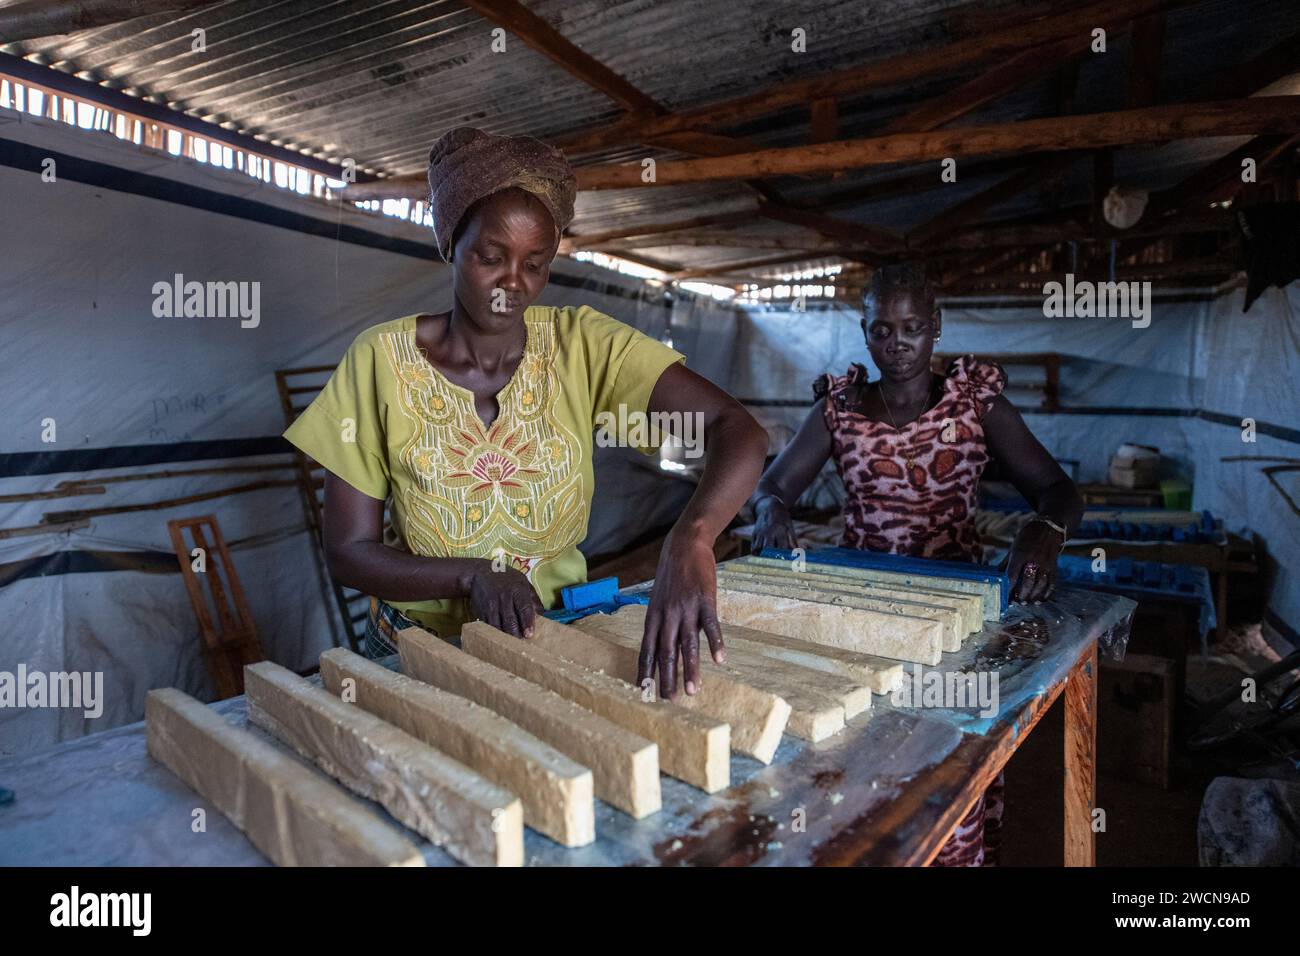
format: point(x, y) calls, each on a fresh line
point(1154, 412)
point(27, 158)
point(1291, 435)
point(16, 464)
point(1281, 432)
point(91, 173)
point(88, 562)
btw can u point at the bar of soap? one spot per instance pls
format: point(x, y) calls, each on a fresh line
point(990, 594)
point(757, 717)
point(880, 674)
point(903, 637)
point(473, 819)
point(948, 614)
point(624, 765)
point(692, 747)
point(289, 812)
point(814, 715)
point(969, 608)
point(556, 791)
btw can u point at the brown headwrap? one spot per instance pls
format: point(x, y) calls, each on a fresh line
point(467, 164)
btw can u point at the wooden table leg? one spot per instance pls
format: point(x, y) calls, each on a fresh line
point(1081, 761)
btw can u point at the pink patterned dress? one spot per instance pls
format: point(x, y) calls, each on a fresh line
point(913, 491)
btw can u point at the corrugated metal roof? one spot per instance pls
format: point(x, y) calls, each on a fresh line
point(379, 81)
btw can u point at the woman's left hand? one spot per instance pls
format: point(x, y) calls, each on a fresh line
point(1031, 563)
point(684, 602)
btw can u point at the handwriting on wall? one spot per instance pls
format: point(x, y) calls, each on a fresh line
point(172, 416)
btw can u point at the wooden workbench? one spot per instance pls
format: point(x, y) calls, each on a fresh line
point(888, 790)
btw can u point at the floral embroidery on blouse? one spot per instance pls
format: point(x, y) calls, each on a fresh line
point(512, 489)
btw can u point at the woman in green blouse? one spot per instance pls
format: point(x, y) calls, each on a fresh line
point(477, 422)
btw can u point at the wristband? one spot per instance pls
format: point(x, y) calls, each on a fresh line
point(1059, 529)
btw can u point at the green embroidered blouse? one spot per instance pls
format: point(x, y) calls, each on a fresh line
point(392, 426)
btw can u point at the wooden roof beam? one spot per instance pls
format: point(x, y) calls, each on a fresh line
point(1145, 60)
point(538, 34)
point(892, 71)
point(723, 268)
point(585, 240)
point(1219, 180)
point(1029, 234)
point(1156, 124)
point(1020, 71)
point(881, 240)
point(975, 206)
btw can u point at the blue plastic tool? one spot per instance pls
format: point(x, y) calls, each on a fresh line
point(593, 597)
point(589, 593)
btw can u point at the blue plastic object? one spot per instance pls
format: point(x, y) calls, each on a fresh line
point(592, 597)
point(579, 596)
point(1194, 531)
point(1125, 574)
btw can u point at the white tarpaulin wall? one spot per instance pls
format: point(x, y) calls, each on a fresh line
point(124, 388)
point(1184, 384)
point(131, 393)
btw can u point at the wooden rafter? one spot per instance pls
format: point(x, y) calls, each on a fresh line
point(873, 237)
point(1207, 266)
point(723, 268)
point(893, 71)
point(975, 206)
point(733, 240)
point(629, 233)
point(1255, 74)
point(663, 265)
point(1220, 179)
point(1066, 226)
point(1145, 60)
point(1254, 115)
point(1019, 71)
point(823, 120)
point(550, 43)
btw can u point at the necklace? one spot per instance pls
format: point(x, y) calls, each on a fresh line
point(890, 413)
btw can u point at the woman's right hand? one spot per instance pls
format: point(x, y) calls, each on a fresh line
point(505, 600)
point(773, 527)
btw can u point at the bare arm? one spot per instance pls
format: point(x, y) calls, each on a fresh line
point(357, 557)
point(1036, 475)
point(787, 478)
point(684, 600)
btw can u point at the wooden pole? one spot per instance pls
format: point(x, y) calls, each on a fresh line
point(894, 71)
point(1252, 116)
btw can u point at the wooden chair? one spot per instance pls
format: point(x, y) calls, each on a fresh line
point(226, 626)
